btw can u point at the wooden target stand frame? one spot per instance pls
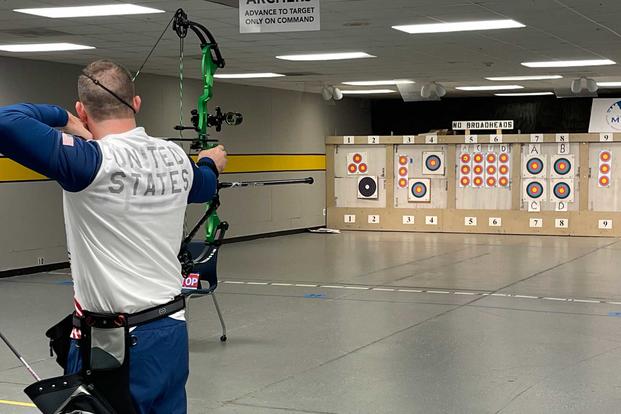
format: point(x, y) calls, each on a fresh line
point(582, 222)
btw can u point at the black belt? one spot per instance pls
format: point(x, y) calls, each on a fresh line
point(138, 318)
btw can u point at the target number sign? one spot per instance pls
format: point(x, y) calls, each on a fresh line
point(495, 222)
point(408, 219)
point(536, 137)
point(562, 137)
point(431, 139)
point(606, 137)
point(373, 218)
point(536, 223)
point(373, 139)
point(470, 221)
point(605, 224)
point(431, 220)
point(408, 139)
point(495, 139)
point(348, 139)
point(561, 223)
point(349, 218)
point(471, 139)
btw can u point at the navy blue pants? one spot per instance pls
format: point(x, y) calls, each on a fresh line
point(159, 367)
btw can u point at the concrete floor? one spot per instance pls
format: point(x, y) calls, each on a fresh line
point(382, 323)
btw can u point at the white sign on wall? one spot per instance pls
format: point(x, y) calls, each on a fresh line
point(605, 115)
point(266, 16)
point(462, 125)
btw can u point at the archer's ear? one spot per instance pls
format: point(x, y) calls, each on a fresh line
point(137, 101)
point(81, 111)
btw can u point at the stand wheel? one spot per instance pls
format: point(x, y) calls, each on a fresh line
point(223, 338)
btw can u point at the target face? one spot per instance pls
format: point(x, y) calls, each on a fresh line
point(491, 181)
point(363, 168)
point(419, 190)
point(478, 158)
point(465, 158)
point(357, 158)
point(478, 169)
point(503, 169)
point(504, 158)
point(605, 156)
point(465, 169)
point(403, 171)
point(562, 166)
point(561, 191)
point(403, 160)
point(491, 170)
point(534, 189)
point(534, 166)
point(604, 181)
point(604, 168)
point(465, 181)
point(352, 168)
point(478, 181)
point(491, 158)
point(403, 183)
point(433, 163)
point(503, 181)
point(367, 187)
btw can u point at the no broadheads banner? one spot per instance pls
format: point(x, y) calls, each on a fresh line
point(462, 125)
point(268, 16)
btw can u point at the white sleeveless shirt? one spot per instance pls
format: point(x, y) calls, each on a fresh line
point(125, 229)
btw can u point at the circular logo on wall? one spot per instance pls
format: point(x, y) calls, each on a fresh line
point(613, 116)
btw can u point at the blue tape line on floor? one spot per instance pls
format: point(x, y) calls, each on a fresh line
point(615, 314)
point(315, 296)
point(64, 282)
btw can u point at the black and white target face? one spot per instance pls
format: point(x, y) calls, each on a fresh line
point(367, 186)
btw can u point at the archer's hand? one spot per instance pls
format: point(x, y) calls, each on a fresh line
point(76, 127)
point(217, 155)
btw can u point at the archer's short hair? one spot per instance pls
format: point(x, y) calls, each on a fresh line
point(101, 104)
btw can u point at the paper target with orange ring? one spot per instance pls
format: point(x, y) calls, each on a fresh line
point(357, 163)
point(403, 183)
point(503, 181)
point(352, 168)
point(363, 168)
point(464, 181)
point(478, 169)
point(534, 190)
point(562, 166)
point(403, 160)
point(503, 169)
point(605, 156)
point(433, 163)
point(477, 181)
point(604, 175)
point(478, 158)
point(562, 190)
point(603, 181)
point(419, 190)
point(503, 158)
point(465, 158)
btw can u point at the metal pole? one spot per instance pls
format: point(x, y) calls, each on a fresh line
point(22, 360)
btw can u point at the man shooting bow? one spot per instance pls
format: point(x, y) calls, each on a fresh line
point(125, 195)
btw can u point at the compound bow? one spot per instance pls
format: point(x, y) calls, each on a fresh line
point(202, 120)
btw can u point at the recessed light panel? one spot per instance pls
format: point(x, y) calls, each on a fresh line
point(379, 83)
point(568, 63)
point(247, 75)
point(524, 78)
point(43, 47)
point(325, 56)
point(489, 88)
point(459, 26)
point(90, 11)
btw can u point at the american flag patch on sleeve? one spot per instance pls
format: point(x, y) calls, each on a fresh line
point(67, 140)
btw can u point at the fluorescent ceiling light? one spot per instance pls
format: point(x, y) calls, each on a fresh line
point(524, 78)
point(458, 26)
point(489, 88)
point(326, 56)
point(247, 75)
point(367, 91)
point(609, 84)
point(43, 47)
point(379, 83)
point(525, 94)
point(90, 11)
point(568, 63)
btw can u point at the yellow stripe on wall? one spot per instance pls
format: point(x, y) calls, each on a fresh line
point(11, 171)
